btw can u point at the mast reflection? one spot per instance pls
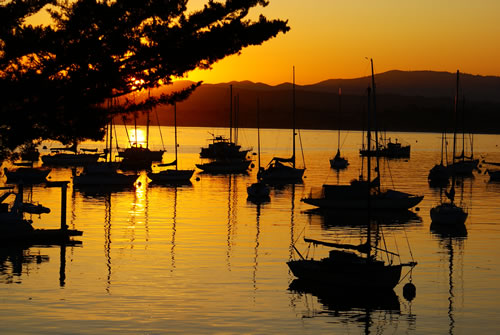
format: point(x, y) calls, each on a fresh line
point(451, 237)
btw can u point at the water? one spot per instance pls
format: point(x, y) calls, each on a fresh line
point(201, 259)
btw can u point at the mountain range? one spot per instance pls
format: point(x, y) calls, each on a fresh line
point(405, 101)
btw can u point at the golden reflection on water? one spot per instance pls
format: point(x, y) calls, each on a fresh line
point(201, 258)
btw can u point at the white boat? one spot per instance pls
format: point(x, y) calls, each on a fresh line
point(170, 175)
point(284, 170)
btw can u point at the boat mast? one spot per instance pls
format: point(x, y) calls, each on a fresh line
point(368, 138)
point(147, 122)
point(175, 132)
point(293, 117)
point(376, 129)
point(258, 133)
point(340, 108)
point(230, 113)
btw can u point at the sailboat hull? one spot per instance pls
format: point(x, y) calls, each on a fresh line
point(225, 166)
point(281, 174)
point(171, 176)
point(347, 275)
point(448, 214)
point(349, 197)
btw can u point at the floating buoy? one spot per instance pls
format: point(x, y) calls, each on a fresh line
point(417, 209)
point(252, 165)
point(197, 178)
point(409, 291)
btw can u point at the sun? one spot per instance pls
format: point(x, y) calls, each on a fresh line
point(137, 137)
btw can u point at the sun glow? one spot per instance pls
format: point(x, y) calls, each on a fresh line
point(137, 137)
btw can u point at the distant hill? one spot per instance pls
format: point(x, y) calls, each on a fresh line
point(406, 101)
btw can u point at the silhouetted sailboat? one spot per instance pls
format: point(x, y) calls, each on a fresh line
point(170, 175)
point(344, 269)
point(354, 195)
point(138, 157)
point(440, 174)
point(447, 212)
point(225, 156)
point(103, 174)
point(461, 164)
point(258, 191)
point(283, 170)
point(71, 156)
point(338, 162)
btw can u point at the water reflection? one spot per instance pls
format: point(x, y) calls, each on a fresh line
point(373, 312)
point(451, 240)
point(329, 219)
point(14, 261)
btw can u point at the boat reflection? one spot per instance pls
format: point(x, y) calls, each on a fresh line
point(369, 310)
point(451, 240)
point(328, 219)
point(14, 261)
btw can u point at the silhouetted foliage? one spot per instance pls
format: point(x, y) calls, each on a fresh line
point(57, 79)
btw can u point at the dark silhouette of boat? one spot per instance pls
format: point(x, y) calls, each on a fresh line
point(349, 266)
point(228, 158)
point(27, 175)
point(389, 150)
point(284, 170)
point(15, 229)
point(258, 191)
point(172, 175)
point(338, 162)
point(71, 156)
point(360, 193)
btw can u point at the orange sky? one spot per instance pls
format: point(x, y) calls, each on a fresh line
point(331, 38)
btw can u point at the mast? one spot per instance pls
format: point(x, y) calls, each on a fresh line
point(456, 117)
point(340, 108)
point(147, 122)
point(175, 132)
point(376, 129)
point(230, 113)
point(258, 133)
point(293, 117)
point(368, 138)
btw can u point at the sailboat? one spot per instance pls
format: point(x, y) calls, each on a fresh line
point(447, 212)
point(225, 156)
point(258, 191)
point(440, 174)
point(283, 170)
point(169, 175)
point(344, 269)
point(338, 162)
point(138, 157)
point(461, 165)
point(71, 156)
point(354, 195)
point(104, 173)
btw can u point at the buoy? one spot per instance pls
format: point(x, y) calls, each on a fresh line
point(409, 291)
point(252, 165)
point(417, 209)
point(197, 178)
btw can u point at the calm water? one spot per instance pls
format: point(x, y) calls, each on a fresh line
point(201, 259)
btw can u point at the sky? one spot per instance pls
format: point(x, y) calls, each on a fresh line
point(331, 39)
